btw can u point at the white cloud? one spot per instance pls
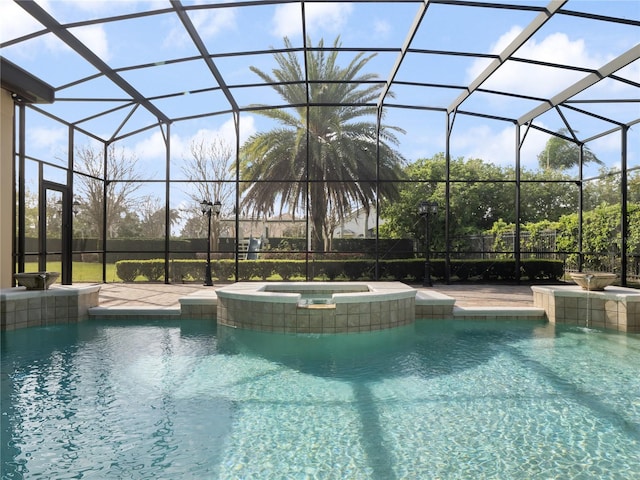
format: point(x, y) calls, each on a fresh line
point(15, 22)
point(95, 38)
point(153, 146)
point(521, 77)
point(208, 23)
point(99, 8)
point(94, 6)
point(607, 149)
point(329, 17)
point(498, 147)
point(609, 87)
point(226, 131)
point(53, 141)
point(103, 7)
point(287, 20)
point(382, 28)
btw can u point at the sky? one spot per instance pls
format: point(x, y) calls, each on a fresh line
point(571, 40)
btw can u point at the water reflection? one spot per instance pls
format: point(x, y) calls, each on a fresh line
point(431, 348)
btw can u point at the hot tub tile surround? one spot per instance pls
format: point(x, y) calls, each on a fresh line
point(351, 306)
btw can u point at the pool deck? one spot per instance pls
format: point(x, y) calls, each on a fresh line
point(481, 302)
point(156, 295)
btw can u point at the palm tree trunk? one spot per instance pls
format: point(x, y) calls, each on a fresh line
point(318, 212)
point(317, 241)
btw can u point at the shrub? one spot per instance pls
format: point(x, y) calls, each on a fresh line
point(152, 270)
point(536, 269)
point(248, 269)
point(332, 269)
point(289, 268)
point(127, 270)
point(223, 269)
point(401, 269)
point(462, 269)
point(187, 270)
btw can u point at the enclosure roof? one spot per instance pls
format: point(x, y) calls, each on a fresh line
point(119, 68)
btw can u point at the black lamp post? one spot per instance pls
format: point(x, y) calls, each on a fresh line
point(426, 209)
point(209, 208)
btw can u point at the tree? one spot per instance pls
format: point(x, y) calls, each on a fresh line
point(601, 235)
point(326, 154)
point(547, 195)
point(122, 183)
point(605, 190)
point(479, 196)
point(152, 218)
point(194, 226)
point(30, 214)
point(209, 172)
point(130, 226)
point(562, 154)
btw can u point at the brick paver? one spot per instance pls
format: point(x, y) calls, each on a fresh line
point(161, 295)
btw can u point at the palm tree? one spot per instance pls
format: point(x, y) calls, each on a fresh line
point(561, 154)
point(323, 151)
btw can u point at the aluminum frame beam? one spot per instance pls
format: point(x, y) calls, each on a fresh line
point(197, 40)
point(37, 12)
point(403, 51)
point(613, 66)
point(506, 54)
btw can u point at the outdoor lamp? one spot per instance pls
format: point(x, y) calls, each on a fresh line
point(427, 209)
point(208, 209)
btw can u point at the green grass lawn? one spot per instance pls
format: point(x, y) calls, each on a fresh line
point(85, 272)
point(82, 272)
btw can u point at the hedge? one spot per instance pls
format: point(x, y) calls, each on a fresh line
point(410, 270)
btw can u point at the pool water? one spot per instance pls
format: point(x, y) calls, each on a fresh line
point(163, 400)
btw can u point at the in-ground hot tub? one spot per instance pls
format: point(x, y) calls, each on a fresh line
point(316, 307)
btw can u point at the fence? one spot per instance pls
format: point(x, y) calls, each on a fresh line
point(542, 246)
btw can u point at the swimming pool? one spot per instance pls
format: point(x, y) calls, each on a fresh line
point(102, 400)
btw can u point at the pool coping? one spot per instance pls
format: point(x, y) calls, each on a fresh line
point(342, 292)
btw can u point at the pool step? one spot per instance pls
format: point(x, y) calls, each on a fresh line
point(135, 313)
point(200, 304)
point(498, 313)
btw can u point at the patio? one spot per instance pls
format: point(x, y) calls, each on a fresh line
point(156, 295)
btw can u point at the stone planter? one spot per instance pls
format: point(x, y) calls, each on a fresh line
point(36, 280)
point(595, 281)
